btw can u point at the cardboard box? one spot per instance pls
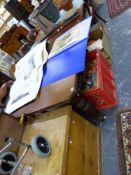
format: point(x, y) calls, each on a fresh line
point(100, 31)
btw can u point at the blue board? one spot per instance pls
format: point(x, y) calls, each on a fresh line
point(68, 62)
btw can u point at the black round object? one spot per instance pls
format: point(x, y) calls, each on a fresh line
point(6, 167)
point(43, 144)
point(40, 146)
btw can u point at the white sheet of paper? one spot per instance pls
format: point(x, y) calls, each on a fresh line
point(96, 45)
point(28, 74)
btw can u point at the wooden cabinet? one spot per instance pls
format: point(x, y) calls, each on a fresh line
point(75, 144)
point(27, 5)
point(11, 40)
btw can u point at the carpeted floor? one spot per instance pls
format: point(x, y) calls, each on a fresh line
point(117, 6)
point(120, 34)
point(123, 128)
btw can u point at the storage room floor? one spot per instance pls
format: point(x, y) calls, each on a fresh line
point(120, 33)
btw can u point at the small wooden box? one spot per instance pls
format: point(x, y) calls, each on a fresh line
point(75, 144)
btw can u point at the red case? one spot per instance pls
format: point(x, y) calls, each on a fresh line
point(104, 96)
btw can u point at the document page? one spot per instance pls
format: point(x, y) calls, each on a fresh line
point(28, 74)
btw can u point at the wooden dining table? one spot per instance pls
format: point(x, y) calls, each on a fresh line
point(60, 92)
point(57, 93)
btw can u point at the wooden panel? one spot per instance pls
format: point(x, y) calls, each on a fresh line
point(93, 160)
point(54, 94)
point(3, 78)
point(27, 5)
point(84, 148)
point(14, 42)
point(55, 127)
point(10, 127)
point(76, 152)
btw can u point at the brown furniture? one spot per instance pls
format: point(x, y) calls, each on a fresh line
point(75, 144)
point(3, 78)
point(10, 41)
point(59, 92)
point(10, 127)
point(3, 88)
point(50, 97)
point(27, 5)
point(65, 4)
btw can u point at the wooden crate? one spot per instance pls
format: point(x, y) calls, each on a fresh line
point(75, 144)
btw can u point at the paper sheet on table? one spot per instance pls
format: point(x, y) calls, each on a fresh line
point(28, 74)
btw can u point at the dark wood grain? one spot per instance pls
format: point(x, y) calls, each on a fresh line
point(51, 96)
point(10, 127)
point(3, 78)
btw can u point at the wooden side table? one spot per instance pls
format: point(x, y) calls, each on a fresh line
point(58, 93)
